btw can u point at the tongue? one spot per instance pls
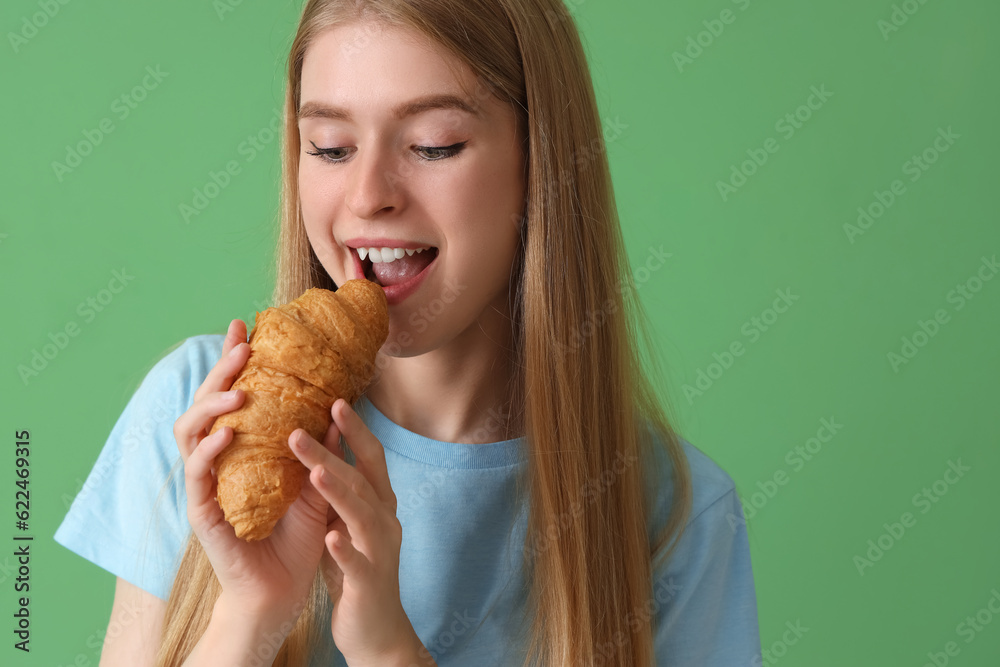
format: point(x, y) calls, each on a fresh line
point(401, 270)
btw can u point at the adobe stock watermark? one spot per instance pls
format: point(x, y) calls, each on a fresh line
point(88, 310)
point(217, 181)
point(122, 107)
point(796, 459)
point(139, 434)
point(119, 622)
point(423, 317)
point(968, 629)
point(778, 649)
point(697, 43)
point(265, 652)
point(595, 319)
point(223, 7)
point(924, 500)
point(259, 307)
point(418, 497)
point(591, 492)
point(899, 17)
point(449, 119)
point(611, 131)
point(420, 320)
point(915, 167)
point(571, 8)
point(926, 330)
point(7, 569)
point(446, 639)
point(664, 590)
point(752, 330)
point(362, 38)
point(786, 126)
point(38, 20)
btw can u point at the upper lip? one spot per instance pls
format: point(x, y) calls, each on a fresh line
point(382, 242)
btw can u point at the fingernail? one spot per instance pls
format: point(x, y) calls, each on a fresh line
point(236, 350)
point(231, 394)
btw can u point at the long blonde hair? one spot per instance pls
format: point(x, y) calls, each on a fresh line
point(588, 400)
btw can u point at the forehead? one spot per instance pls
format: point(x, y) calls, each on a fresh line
point(372, 69)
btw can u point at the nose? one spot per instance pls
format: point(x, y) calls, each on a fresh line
point(372, 187)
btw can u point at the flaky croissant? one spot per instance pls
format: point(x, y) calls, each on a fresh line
point(303, 356)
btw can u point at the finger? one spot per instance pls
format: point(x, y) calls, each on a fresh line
point(236, 334)
point(333, 576)
point(341, 526)
point(360, 518)
point(220, 378)
point(332, 441)
point(332, 444)
point(199, 482)
point(368, 451)
point(351, 561)
point(312, 455)
point(190, 427)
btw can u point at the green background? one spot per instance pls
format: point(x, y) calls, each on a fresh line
point(681, 128)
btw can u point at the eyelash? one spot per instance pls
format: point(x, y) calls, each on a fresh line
point(448, 151)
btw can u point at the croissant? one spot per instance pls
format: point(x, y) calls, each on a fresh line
point(303, 356)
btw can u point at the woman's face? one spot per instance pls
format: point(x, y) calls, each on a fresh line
point(394, 154)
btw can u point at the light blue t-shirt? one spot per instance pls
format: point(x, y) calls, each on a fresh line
point(461, 583)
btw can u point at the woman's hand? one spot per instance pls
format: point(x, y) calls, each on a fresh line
point(369, 624)
point(266, 581)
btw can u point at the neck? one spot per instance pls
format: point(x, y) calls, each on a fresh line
point(459, 392)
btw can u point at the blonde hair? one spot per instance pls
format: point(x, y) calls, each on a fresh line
point(587, 398)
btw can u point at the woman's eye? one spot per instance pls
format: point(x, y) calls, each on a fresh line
point(439, 152)
point(335, 154)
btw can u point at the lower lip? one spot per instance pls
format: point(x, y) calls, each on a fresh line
point(398, 293)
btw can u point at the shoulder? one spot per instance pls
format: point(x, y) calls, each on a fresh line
point(134, 497)
point(707, 607)
point(165, 392)
point(709, 482)
point(188, 361)
point(168, 387)
point(180, 370)
point(706, 611)
point(711, 485)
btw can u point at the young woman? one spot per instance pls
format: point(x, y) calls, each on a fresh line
point(511, 492)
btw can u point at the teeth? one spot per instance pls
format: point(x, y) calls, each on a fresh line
point(379, 255)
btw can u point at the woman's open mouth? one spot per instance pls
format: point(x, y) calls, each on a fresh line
point(399, 271)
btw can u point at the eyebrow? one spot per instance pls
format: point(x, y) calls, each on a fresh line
point(411, 108)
